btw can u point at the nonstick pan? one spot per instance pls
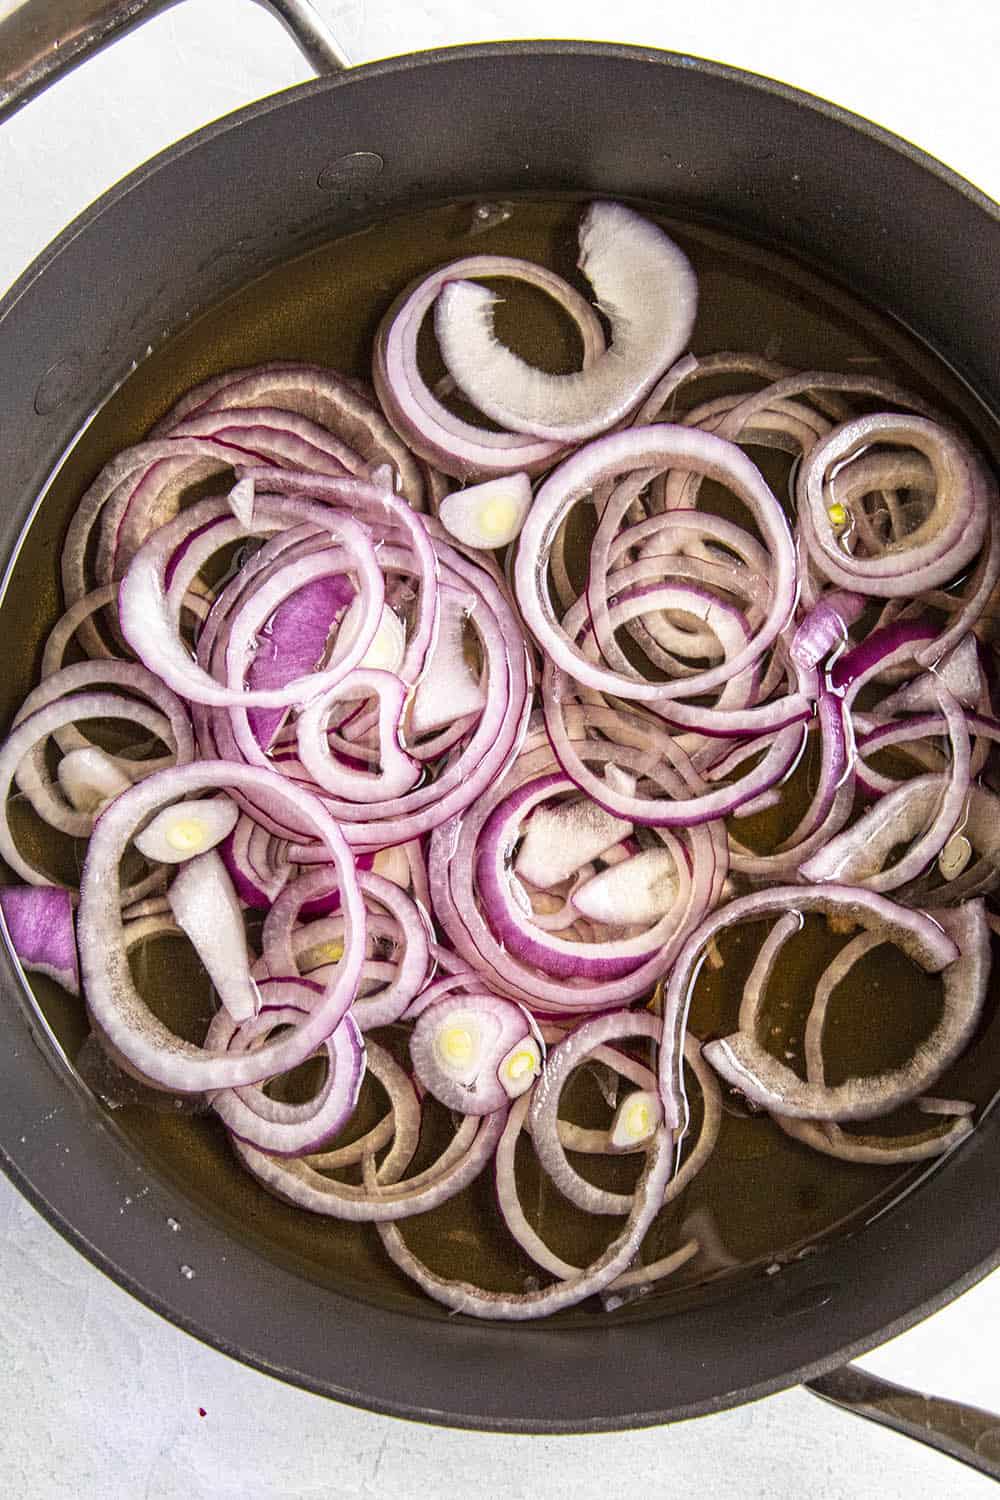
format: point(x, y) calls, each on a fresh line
point(210, 215)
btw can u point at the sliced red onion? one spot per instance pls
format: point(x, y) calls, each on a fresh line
point(380, 1199)
point(475, 1052)
point(151, 478)
point(463, 1297)
point(686, 805)
point(533, 1244)
point(932, 554)
point(857, 855)
point(331, 400)
point(763, 969)
point(633, 267)
point(562, 1060)
point(878, 1150)
point(476, 765)
point(828, 1137)
point(918, 936)
point(429, 428)
point(293, 642)
point(980, 591)
point(959, 673)
point(448, 690)
point(266, 1123)
point(641, 890)
point(169, 723)
point(205, 905)
point(38, 920)
point(536, 948)
point(649, 448)
point(130, 1027)
point(399, 1129)
point(285, 944)
point(34, 729)
point(910, 732)
point(487, 515)
point(399, 772)
point(249, 857)
point(879, 654)
point(745, 1063)
point(187, 829)
point(825, 628)
point(149, 608)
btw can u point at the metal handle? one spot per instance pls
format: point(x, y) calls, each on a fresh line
point(963, 1432)
point(42, 39)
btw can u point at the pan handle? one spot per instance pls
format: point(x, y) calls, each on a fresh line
point(966, 1433)
point(42, 39)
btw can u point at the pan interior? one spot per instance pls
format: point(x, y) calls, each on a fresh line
point(764, 1199)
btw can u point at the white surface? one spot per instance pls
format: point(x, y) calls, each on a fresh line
point(100, 1398)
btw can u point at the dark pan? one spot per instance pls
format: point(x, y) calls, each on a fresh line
point(210, 215)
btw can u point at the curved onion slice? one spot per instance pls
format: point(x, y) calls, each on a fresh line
point(115, 1006)
point(652, 448)
point(645, 286)
point(269, 1124)
point(431, 430)
point(562, 1060)
point(748, 1066)
point(937, 549)
point(463, 1297)
point(533, 1244)
point(384, 1195)
point(828, 1137)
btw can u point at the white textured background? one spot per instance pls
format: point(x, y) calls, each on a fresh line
point(99, 1399)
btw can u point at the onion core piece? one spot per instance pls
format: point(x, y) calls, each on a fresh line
point(204, 903)
point(187, 829)
point(488, 515)
point(474, 1052)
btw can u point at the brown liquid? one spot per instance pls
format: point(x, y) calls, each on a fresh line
point(766, 1197)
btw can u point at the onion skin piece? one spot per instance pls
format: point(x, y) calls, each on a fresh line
point(39, 923)
point(748, 1066)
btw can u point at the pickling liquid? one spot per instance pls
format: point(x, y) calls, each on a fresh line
point(763, 1198)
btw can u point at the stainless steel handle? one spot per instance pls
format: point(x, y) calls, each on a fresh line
point(963, 1432)
point(42, 39)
